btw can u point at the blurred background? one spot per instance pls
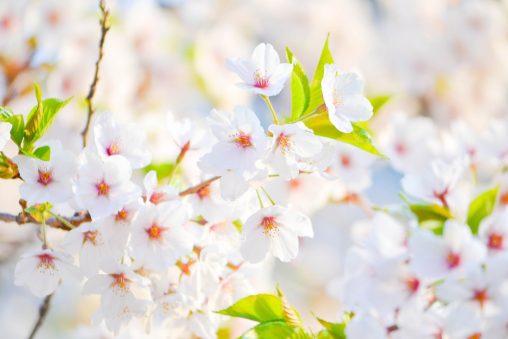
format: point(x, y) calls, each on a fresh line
point(443, 59)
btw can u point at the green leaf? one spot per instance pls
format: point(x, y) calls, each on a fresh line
point(5, 113)
point(360, 138)
point(335, 330)
point(18, 126)
point(40, 118)
point(260, 307)
point(39, 211)
point(8, 169)
point(43, 153)
point(378, 102)
point(275, 329)
point(163, 169)
point(238, 225)
point(431, 216)
point(316, 95)
point(300, 90)
point(481, 207)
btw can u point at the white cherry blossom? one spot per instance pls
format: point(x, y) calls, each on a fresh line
point(263, 73)
point(274, 230)
point(103, 187)
point(42, 270)
point(47, 181)
point(344, 99)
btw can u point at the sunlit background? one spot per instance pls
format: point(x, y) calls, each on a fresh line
point(447, 60)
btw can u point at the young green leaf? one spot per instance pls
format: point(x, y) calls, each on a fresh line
point(481, 207)
point(8, 169)
point(163, 169)
point(335, 330)
point(300, 90)
point(378, 102)
point(5, 113)
point(43, 153)
point(316, 95)
point(40, 118)
point(275, 329)
point(260, 307)
point(18, 126)
point(360, 138)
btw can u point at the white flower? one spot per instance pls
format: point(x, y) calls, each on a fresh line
point(116, 228)
point(47, 181)
point(274, 230)
point(158, 236)
point(186, 133)
point(344, 99)
point(103, 186)
point(441, 184)
point(42, 270)
point(291, 143)
point(494, 232)
point(241, 144)
point(112, 138)
point(263, 73)
point(435, 257)
point(123, 295)
point(154, 194)
point(5, 134)
point(88, 241)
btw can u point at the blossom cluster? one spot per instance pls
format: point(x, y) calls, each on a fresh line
point(435, 268)
point(173, 257)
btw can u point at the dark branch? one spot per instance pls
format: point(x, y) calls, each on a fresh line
point(43, 311)
point(104, 22)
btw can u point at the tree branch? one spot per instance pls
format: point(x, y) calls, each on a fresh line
point(25, 218)
point(104, 22)
point(199, 186)
point(43, 311)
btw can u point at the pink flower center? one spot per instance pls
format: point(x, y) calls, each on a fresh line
point(261, 81)
point(120, 281)
point(102, 188)
point(345, 160)
point(503, 198)
point(6, 23)
point(121, 215)
point(203, 192)
point(154, 232)
point(90, 236)
point(441, 196)
point(453, 260)
point(46, 261)
point(269, 224)
point(495, 241)
point(157, 197)
point(45, 177)
point(112, 149)
point(400, 148)
point(481, 296)
point(294, 184)
point(412, 284)
point(284, 142)
point(243, 140)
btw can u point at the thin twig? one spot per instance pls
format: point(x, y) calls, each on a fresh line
point(199, 186)
point(43, 311)
point(104, 22)
point(25, 218)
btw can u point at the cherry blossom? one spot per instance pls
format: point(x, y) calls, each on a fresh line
point(47, 181)
point(263, 73)
point(343, 95)
point(103, 187)
point(274, 230)
point(42, 270)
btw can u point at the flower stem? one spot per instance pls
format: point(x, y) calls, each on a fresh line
point(268, 196)
point(272, 110)
point(259, 199)
point(62, 220)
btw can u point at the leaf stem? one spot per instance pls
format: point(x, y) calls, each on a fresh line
point(62, 220)
point(272, 110)
point(268, 196)
point(259, 199)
